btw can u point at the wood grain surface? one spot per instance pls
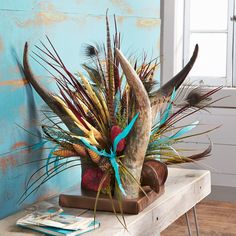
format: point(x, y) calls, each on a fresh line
point(215, 218)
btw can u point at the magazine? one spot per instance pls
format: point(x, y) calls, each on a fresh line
point(58, 223)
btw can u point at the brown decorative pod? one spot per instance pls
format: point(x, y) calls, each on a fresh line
point(154, 175)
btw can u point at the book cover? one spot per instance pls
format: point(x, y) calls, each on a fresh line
point(60, 232)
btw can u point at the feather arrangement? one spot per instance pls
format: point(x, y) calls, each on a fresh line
point(103, 114)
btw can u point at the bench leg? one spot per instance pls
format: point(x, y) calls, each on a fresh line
point(188, 224)
point(195, 220)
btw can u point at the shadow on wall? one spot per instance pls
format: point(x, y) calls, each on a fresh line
point(14, 170)
point(26, 156)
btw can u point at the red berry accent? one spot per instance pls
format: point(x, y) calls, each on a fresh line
point(91, 179)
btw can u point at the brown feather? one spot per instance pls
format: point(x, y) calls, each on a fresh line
point(65, 153)
point(81, 151)
point(94, 156)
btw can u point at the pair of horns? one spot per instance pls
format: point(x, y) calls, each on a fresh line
point(138, 139)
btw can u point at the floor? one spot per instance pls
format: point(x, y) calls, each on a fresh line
point(214, 218)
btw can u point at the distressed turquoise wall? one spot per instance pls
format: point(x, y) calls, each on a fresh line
point(69, 24)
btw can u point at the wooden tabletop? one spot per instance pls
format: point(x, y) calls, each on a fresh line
point(184, 189)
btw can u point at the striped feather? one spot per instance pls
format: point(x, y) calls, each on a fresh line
point(65, 153)
point(80, 150)
point(110, 75)
point(72, 115)
point(94, 156)
point(93, 97)
point(67, 145)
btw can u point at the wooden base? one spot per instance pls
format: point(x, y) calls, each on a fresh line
point(86, 200)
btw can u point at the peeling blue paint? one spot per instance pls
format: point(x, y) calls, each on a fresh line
point(139, 8)
point(69, 24)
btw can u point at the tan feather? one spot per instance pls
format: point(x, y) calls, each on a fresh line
point(65, 153)
point(94, 97)
point(94, 156)
point(70, 113)
point(94, 133)
point(81, 151)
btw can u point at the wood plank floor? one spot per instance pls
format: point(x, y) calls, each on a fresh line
point(214, 218)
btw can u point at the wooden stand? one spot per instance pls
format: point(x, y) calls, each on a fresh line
point(154, 175)
point(86, 200)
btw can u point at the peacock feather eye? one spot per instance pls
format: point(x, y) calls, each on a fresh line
point(91, 51)
point(193, 98)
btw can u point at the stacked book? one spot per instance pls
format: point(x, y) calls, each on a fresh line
point(59, 223)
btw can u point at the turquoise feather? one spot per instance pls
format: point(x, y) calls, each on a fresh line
point(93, 148)
point(112, 158)
point(38, 146)
point(185, 130)
point(125, 132)
point(166, 114)
point(50, 156)
point(112, 154)
point(176, 135)
point(116, 170)
point(168, 108)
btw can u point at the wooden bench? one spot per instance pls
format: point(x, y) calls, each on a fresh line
point(183, 190)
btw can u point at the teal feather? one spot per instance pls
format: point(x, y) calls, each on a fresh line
point(39, 145)
point(168, 108)
point(166, 114)
point(116, 170)
point(124, 133)
point(56, 134)
point(50, 156)
point(185, 130)
point(93, 148)
point(33, 147)
point(176, 135)
point(112, 158)
point(112, 154)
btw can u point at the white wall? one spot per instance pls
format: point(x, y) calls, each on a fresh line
point(222, 162)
